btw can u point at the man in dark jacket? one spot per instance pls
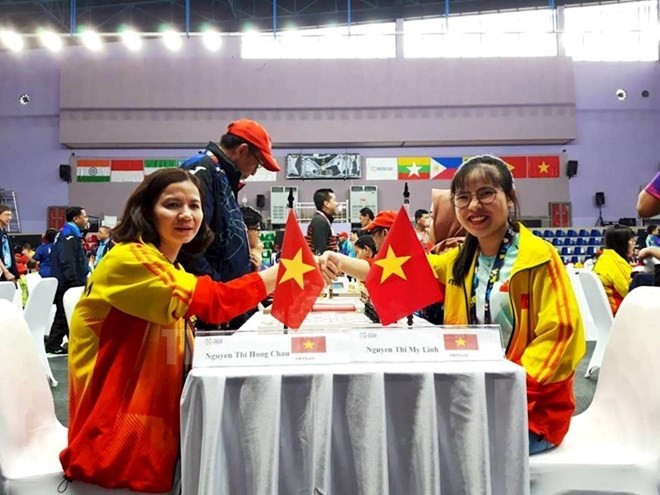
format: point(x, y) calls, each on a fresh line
point(221, 169)
point(8, 270)
point(319, 231)
point(68, 264)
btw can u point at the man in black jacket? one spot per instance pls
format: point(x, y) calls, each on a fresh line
point(8, 270)
point(319, 232)
point(68, 264)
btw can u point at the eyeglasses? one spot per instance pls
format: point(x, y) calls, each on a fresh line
point(485, 196)
point(260, 163)
point(254, 229)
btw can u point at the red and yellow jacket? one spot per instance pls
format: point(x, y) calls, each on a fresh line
point(614, 272)
point(548, 336)
point(126, 364)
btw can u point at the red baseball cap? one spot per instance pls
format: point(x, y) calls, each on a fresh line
point(255, 134)
point(383, 220)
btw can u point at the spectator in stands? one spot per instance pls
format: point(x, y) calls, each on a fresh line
point(648, 202)
point(366, 216)
point(422, 228)
point(7, 264)
point(130, 342)
point(319, 231)
point(106, 243)
point(222, 169)
point(21, 259)
point(379, 227)
point(42, 254)
point(69, 265)
point(365, 247)
point(503, 274)
point(652, 237)
point(613, 265)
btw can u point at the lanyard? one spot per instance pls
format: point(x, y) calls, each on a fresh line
point(494, 274)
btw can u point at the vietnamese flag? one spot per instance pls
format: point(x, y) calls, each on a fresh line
point(461, 342)
point(541, 167)
point(400, 280)
point(299, 280)
point(308, 344)
point(414, 167)
point(517, 165)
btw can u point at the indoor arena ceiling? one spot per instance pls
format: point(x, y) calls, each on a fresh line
point(232, 15)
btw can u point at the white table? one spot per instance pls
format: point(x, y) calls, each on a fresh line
point(373, 429)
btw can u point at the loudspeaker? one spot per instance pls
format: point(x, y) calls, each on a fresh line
point(571, 168)
point(65, 173)
point(600, 198)
point(261, 200)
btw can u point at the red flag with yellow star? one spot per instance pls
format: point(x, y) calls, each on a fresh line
point(299, 280)
point(401, 280)
point(542, 167)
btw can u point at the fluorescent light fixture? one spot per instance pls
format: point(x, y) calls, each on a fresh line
point(172, 40)
point(12, 41)
point(132, 40)
point(212, 40)
point(91, 40)
point(51, 40)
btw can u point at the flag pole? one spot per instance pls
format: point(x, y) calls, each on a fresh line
point(406, 205)
point(289, 204)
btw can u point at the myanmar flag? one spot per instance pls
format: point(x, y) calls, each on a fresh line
point(542, 167)
point(299, 280)
point(127, 170)
point(445, 167)
point(93, 170)
point(414, 167)
point(401, 280)
point(517, 165)
point(150, 166)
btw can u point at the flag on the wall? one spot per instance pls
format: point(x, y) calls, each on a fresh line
point(542, 167)
point(445, 167)
point(127, 170)
point(93, 170)
point(150, 166)
point(517, 165)
point(414, 167)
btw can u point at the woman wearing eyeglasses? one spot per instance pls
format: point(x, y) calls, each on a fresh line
point(503, 274)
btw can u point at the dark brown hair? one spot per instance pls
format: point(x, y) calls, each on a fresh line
point(617, 237)
point(137, 222)
point(492, 170)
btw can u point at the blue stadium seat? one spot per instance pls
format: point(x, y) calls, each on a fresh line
point(596, 233)
point(548, 233)
point(583, 233)
point(571, 233)
point(560, 233)
point(591, 250)
point(574, 259)
point(578, 250)
point(594, 241)
point(569, 241)
point(537, 233)
point(556, 241)
point(580, 241)
point(565, 251)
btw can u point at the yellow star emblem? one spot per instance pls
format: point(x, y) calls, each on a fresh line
point(460, 342)
point(392, 265)
point(543, 168)
point(295, 269)
point(308, 345)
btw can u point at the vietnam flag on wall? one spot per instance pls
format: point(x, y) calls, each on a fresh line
point(542, 167)
point(401, 280)
point(299, 280)
point(445, 167)
point(414, 167)
point(517, 166)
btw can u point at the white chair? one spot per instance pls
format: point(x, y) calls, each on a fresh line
point(7, 290)
point(31, 280)
point(614, 446)
point(31, 437)
point(587, 320)
point(71, 298)
point(37, 315)
point(601, 312)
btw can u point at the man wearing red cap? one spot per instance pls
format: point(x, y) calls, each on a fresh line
point(380, 226)
point(221, 169)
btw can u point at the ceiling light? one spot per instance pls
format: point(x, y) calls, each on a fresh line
point(212, 40)
point(91, 40)
point(132, 40)
point(12, 41)
point(172, 40)
point(51, 40)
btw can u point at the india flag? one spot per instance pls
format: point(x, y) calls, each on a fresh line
point(150, 166)
point(127, 171)
point(93, 170)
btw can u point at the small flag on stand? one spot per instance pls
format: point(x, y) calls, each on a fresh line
point(461, 342)
point(299, 280)
point(308, 344)
point(401, 280)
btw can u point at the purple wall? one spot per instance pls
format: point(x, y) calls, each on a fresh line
point(617, 145)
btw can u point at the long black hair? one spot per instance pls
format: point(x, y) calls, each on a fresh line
point(492, 170)
point(616, 238)
point(137, 223)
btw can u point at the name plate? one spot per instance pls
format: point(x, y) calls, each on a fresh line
point(427, 344)
point(248, 349)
